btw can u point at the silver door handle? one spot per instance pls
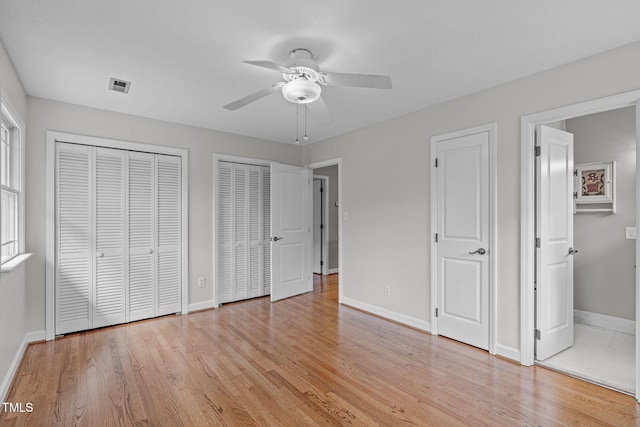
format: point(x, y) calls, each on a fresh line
point(572, 251)
point(480, 251)
point(276, 238)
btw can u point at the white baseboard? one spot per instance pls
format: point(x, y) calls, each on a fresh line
point(332, 271)
point(508, 352)
point(36, 336)
point(612, 323)
point(388, 314)
point(201, 305)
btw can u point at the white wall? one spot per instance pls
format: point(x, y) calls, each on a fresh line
point(46, 115)
point(386, 239)
point(332, 173)
point(12, 286)
point(604, 268)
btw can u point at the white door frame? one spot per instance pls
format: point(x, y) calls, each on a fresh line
point(492, 129)
point(322, 164)
point(527, 209)
point(325, 222)
point(217, 158)
point(50, 207)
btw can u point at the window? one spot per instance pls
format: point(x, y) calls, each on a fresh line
point(11, 198)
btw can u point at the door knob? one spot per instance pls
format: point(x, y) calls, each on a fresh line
point(480, 251)
point(100, 254)
point(276, 238)
point(572, 251)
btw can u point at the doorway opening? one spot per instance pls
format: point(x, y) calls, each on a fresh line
point(604, 301)
point(321, 229)
point(327, 246)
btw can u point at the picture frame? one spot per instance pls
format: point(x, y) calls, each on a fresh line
point(594, 182)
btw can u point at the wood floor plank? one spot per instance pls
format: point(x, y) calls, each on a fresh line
point(303, 361)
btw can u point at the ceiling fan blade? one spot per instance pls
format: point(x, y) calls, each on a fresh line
point(252, 98)
point(320, 112)
point(357, 80)
point(272, 66)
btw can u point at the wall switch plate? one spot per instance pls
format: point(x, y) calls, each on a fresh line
point(387, 290)
point(202, 282)
point(630, 232)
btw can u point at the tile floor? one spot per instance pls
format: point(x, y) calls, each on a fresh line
point(599, 355)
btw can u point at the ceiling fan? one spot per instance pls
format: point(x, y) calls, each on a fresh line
point(303, 83)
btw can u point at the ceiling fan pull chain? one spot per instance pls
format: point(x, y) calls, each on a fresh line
point(297, 121)
point(305, 138)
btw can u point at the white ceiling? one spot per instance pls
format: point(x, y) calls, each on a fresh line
point(184, 58)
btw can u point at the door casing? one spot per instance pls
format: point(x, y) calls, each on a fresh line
point(528, 218)
point(492, 129)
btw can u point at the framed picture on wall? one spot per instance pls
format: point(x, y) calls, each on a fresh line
point(595, 182)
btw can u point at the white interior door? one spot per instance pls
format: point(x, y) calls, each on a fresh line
point(291, 213)
point(463, 236)
point(554, 225)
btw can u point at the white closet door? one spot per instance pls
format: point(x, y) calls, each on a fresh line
point(266, 230)
point(74, 238)
point(169, 190)
point(225, 230)
point(141, 218)
point(256, 236)
point(241, 207)
point(109, 237)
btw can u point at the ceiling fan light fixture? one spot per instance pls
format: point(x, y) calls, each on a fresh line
point(301, 91)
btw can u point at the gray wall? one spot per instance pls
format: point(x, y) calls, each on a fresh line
point(332, 173)
point(386, 239)
point(604, 273)
point(202, 144)
point(12, 285)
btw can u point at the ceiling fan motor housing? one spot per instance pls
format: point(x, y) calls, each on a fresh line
point(301, 91)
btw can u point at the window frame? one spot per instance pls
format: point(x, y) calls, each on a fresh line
point(16, 126)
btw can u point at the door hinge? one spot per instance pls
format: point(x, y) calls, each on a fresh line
point(537, 332)
point(575, 172)
point(436, 312)
point(321, 263)
point(436, 162)
point(436, 237)
point(575, 194)
point(537, 151)
point(321, 226)
point(321, 190)
point(537, 242)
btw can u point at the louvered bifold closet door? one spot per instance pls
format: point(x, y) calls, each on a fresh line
point(109, 237)
point(225, 284)
point(241, 214)
point(169, 234)
point(256, 259)
point(142, 223)
point(266, 230)
point(74, 237)
point(243, 230)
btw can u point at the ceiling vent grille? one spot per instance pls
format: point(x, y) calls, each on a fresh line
point(118, 85)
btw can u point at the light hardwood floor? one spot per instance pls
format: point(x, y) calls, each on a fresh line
point(301, 361)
